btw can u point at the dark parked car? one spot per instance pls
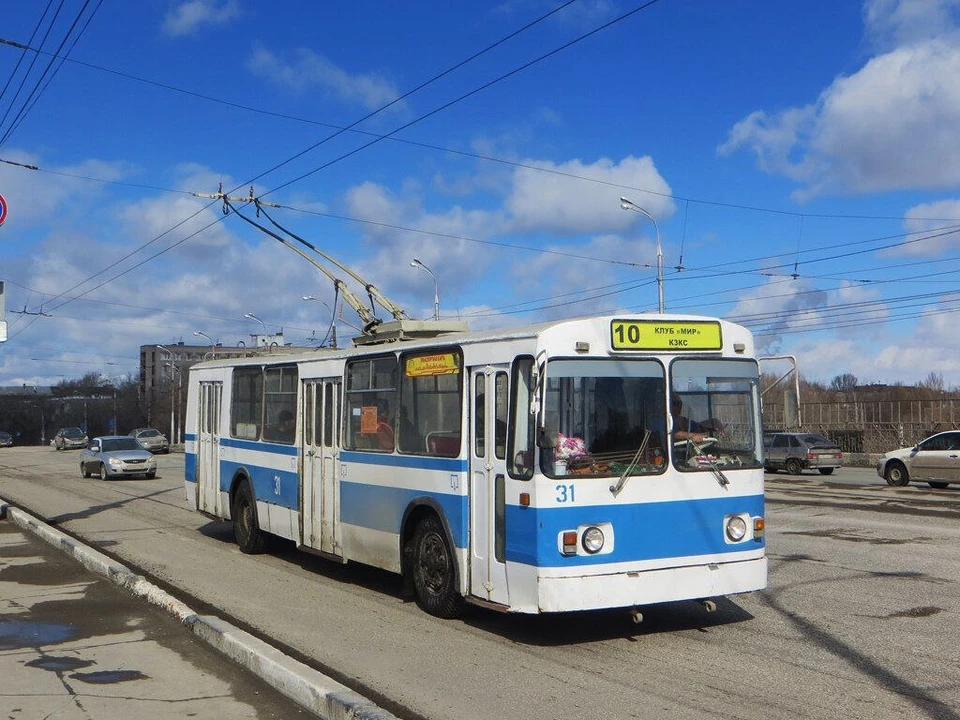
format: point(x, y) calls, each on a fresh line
point(6, 439)
point(935, 461)
point(70, 437)
point(796, 452)
point(116, 456)
point(153, 440)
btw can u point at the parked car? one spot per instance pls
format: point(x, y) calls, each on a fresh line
point(115, 456)
point(69, 437)
point(153, 440)
point(6, 439)
point(935, 461)
point(796, 452)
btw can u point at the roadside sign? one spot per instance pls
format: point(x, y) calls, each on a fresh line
point(3, 209)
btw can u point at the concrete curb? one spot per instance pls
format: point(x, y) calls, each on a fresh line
point(316, 692)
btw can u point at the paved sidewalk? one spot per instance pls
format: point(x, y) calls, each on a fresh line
point(73, 645)
point(77, 643)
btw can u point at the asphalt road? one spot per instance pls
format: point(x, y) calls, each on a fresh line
point(861, 618)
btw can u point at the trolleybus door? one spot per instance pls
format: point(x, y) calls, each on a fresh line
point(208, 448)
point(320, 503)
point(489, 399)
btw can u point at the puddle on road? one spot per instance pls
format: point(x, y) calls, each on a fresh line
point(58, 663)
point(109, 677)
point(16, 634)
point(840, 534)
point(917, 612)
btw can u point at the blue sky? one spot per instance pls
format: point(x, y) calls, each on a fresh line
point(802, 161)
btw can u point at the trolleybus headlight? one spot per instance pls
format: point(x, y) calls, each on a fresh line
point(736, 528)
point(592, 539)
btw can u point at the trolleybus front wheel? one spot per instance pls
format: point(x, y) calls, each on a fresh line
point(434, 578)
point(246, 525)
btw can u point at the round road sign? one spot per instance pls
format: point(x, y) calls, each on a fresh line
point(3, 209)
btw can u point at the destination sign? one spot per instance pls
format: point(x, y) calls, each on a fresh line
point(665, 335)
point(439, 364)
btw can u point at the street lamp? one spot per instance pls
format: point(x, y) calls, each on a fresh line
point(333, 318)
point(213, 345)
point(630, 205)
point(172, 403)
point(174, 427)
point(251, 316)
point(436, 287)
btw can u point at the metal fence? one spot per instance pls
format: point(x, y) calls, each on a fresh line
point(875, 426)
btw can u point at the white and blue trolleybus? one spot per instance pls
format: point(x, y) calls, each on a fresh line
point(609, 462)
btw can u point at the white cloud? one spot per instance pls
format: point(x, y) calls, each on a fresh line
point(308, 69)
point(551, 202)
point(853, 137)
point(893, 23)
point(189, 17)
point(937, 222)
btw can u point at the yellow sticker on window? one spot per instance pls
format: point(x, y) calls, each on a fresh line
point(440, 364)
point(669, 335)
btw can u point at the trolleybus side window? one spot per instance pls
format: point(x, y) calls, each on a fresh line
point(246, 404)
point(280, 403)
point(429, 417)
point(370, 401)
point(520, 439)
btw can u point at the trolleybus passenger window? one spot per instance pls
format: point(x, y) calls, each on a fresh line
point(280, 403)
point(430, 414)
point(520, 441)
point(246, 404)
point(479, 412)
point(370, 403)
point(502, 402)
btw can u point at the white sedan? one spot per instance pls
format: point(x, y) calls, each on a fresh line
point(935, 461)
point(116, 456)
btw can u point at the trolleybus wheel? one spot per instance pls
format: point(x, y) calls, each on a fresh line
point(826, 471)
point(246, 525)
point(896, 474)
point(434, 579)
point(793, 466)
point(938, 485)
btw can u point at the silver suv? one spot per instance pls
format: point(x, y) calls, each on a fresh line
point(796, 452)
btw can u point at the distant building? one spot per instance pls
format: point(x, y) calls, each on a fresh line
point(161, 363)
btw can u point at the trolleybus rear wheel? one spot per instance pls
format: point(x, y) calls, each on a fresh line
point(246, 525)
point(434, 578)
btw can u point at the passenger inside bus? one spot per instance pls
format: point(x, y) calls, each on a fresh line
point(385, 434)
point(286, 426)
point(408, 438)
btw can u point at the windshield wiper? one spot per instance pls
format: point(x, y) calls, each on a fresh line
point(615, 489)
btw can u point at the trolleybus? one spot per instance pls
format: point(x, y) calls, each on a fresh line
point(609, 462)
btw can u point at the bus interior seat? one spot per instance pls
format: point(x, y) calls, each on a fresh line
point(445, 445)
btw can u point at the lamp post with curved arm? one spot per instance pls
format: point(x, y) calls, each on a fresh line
point(436, 286)
point(172, 403)
point(213, 346)
point(251, 316)
point(630, 205)
point(333, 318)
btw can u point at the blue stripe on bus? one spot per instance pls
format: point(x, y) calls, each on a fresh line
point(381, 508)
point(642, 531)
point(266, 482)
point(420, 462)
point(275, 448)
